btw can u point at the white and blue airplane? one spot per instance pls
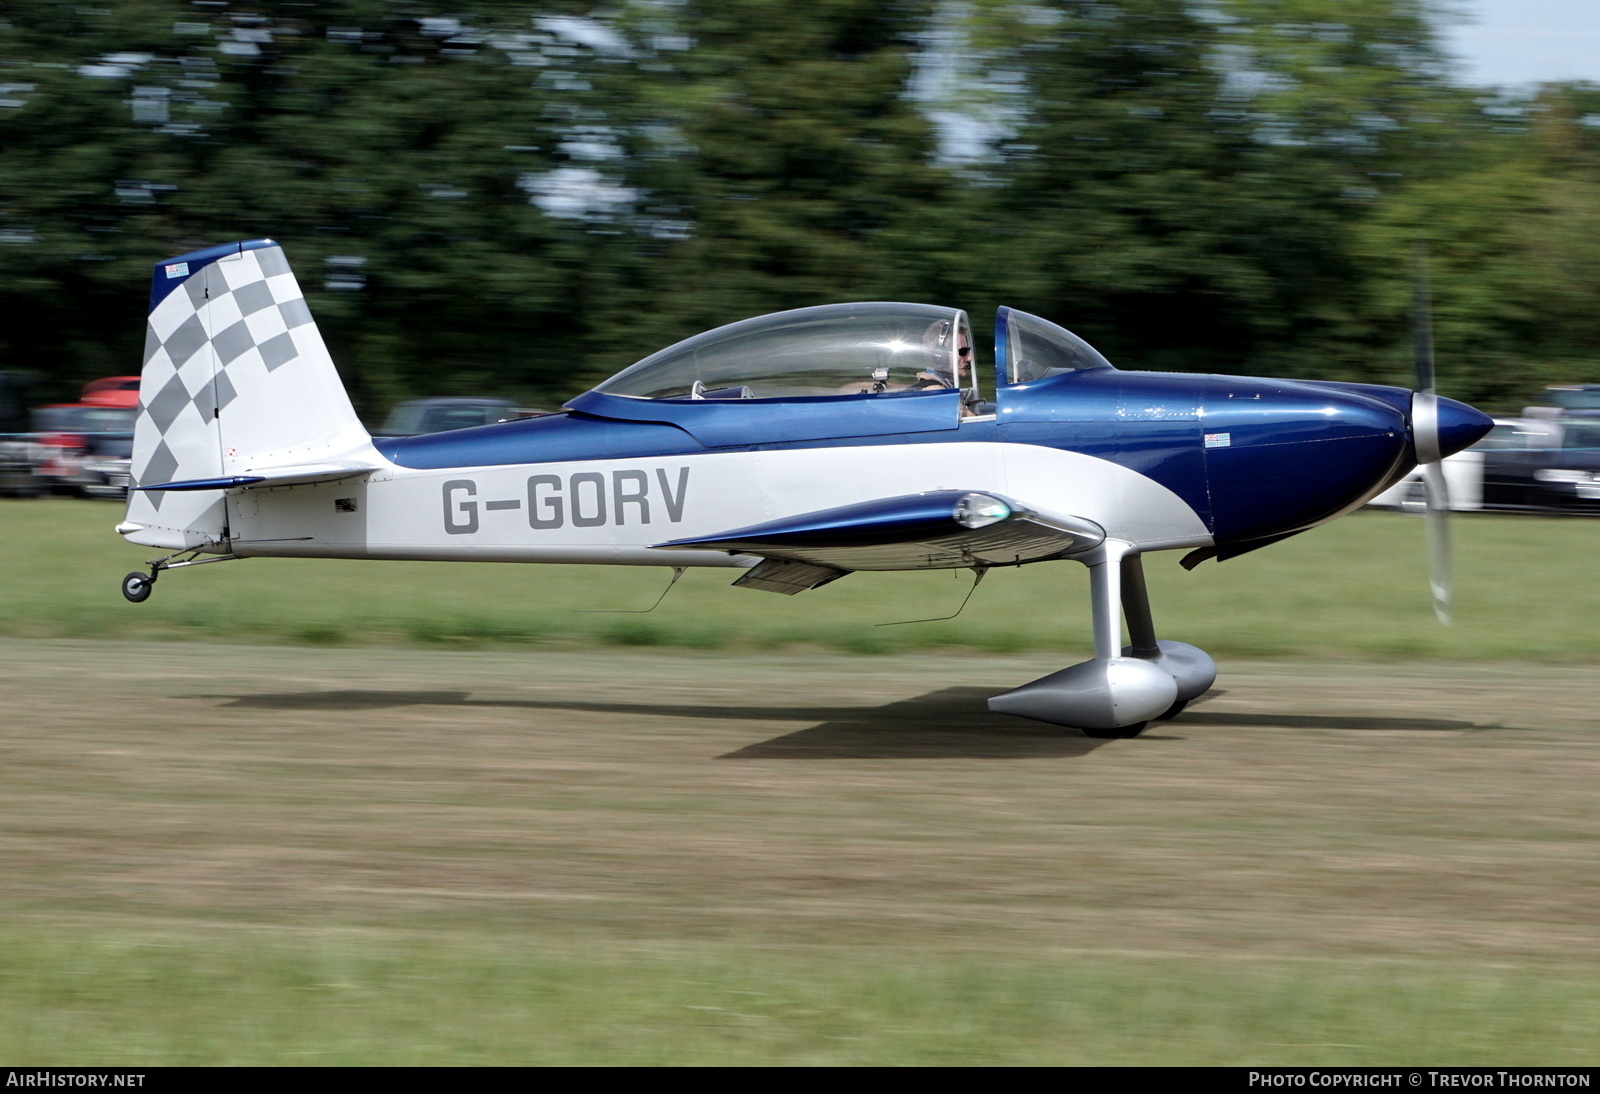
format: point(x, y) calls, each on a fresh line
point(793, 448)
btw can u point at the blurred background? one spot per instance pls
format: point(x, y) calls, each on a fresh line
point(516, 199)
point(513, 818)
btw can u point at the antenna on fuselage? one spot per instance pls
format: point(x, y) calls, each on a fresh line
point(677, 572)
point(977, 571)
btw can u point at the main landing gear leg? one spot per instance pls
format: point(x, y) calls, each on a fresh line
point(1190, 667)
point(1122, 689)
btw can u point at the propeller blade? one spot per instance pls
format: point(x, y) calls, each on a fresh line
point(1425, 437)
point(1421, 319)
point(1440, 578)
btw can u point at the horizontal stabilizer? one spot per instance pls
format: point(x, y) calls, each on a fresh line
point(292, 475)
point(938, 530)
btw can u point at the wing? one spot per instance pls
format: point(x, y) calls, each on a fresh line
point(945, 529)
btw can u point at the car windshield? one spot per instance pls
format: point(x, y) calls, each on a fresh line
point(440, 418)
point(1583, 398)
point(1580, 435)
point(409, 419)
point(84, 419)
point(836, 349)
point(1515, 436)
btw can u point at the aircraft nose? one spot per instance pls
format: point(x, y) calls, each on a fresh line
point(1460, 425)
point(1282, 455)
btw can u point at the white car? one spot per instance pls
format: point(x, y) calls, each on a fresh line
point(1464, 472)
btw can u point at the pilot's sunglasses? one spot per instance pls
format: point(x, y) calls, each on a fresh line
point(963, 351)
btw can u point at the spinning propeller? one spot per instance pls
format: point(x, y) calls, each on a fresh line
point(1425, 439)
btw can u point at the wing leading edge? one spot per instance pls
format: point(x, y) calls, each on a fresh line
point(945, 529)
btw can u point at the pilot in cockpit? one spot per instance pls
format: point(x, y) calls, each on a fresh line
point(942, 369)
point(938, 378)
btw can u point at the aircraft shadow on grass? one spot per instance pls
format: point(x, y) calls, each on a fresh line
point(951, 723)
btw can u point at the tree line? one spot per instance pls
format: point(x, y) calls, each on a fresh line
point(518, 198)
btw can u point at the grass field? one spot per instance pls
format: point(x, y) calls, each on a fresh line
point(257, 854)
point(473, 826)
point(1527, 589)
point(207, 998)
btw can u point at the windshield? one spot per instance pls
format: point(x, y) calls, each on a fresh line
point(1580, 435)
point(403, 421)
point(1514, 436)
point(1029, 348)
point(836, 349)
point(1575, 398)
point(427, 416)
point(84, 419)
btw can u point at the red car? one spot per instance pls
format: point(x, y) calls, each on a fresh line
point(113, 391)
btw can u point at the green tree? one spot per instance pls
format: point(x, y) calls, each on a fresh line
point(1185, 181)
point(519, 198)
point(390, 149)
point(789, 163)
point(1513, 234)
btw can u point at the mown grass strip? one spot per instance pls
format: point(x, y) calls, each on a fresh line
point(260, 998)
point(1526, 587)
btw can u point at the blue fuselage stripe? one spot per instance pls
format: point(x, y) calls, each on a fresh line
point(1251, 457)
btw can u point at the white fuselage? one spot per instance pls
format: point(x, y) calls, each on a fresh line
point(613, 511)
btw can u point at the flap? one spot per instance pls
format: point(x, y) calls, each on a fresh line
point(782, 575)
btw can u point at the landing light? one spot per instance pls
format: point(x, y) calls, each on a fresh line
point(980, 511)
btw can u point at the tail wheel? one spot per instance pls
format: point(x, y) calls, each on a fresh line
point(137, 587)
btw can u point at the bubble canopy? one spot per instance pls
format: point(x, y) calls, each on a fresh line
point(835, 349)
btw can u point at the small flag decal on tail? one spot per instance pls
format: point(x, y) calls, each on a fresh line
point(1218, 440)
point(177, 269)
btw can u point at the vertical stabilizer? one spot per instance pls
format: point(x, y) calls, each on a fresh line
point(236, 378)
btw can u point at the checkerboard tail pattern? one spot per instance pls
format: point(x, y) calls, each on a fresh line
point(236, 376)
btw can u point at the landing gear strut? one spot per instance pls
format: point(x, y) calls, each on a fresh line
point(137, 587)
point(1123, 688)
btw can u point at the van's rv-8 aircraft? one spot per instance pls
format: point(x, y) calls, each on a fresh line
point(793, 448)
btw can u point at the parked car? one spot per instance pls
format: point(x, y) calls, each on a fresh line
point(1567, 401)
point(121, 391)
point(1547, 465)
point(415, 416)
point(84, 449)
point(19, 451)
point(1561, 478)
